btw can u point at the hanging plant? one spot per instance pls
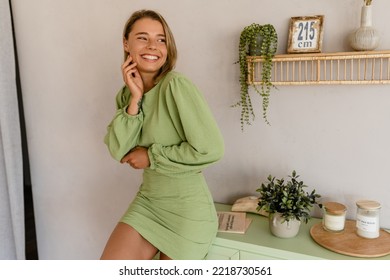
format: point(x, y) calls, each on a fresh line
point(264, 40)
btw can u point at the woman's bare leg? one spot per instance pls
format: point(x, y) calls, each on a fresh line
point(164, 257)
point(125, 243)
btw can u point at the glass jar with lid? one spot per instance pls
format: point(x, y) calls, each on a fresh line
point(333, 219)
point(367, 218)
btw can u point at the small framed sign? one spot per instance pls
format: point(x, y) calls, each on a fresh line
point(305, 34)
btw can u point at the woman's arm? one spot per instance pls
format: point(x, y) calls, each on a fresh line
point(202, 141)
point(124, 130)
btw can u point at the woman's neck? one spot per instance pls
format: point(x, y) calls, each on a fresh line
point(148, 81)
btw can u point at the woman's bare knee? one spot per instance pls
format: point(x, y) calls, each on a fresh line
point(125, 243)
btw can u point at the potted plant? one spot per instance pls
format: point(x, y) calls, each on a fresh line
point(287, 203)
point(259, 40)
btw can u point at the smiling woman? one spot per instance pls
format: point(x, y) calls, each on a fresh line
point(158, 126)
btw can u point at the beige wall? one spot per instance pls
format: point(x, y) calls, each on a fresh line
point(336, 137)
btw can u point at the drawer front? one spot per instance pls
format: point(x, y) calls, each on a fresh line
point(244, 255)
point(222, 253)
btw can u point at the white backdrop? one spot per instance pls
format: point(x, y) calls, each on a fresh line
point(336, 137)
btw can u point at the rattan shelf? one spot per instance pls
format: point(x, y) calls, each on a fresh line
point(371, 67)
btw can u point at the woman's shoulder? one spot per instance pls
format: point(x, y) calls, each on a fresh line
point(179, 87)
point(177, 78)
point(175, 75)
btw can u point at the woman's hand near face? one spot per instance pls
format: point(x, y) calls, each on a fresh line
point(134, 82)
point(137, 158)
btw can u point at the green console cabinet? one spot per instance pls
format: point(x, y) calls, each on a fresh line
point(259, 244)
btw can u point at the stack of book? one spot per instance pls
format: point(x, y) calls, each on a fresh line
point(234, 222)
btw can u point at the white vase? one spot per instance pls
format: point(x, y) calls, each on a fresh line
point(281, 228)
point(366, 37)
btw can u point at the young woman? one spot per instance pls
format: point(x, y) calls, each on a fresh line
point(164, 126)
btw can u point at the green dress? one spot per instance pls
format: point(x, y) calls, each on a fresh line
point(173, 208)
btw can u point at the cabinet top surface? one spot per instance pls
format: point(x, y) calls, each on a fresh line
point(258, 235)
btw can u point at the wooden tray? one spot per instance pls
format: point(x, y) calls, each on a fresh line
point(349, 243)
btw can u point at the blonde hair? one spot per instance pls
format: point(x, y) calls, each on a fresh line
point(170, 40)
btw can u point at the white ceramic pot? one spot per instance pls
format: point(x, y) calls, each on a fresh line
point(281, 228)
point(366, 37)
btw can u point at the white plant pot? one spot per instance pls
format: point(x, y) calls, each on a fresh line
point(281, 228)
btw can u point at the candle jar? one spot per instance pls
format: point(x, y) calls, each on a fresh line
point(367, 218)
point(333, 219)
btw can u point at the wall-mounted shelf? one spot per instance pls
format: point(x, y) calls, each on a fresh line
point(371, 67)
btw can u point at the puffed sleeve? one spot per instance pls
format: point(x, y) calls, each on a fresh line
point(124, 130)
point(202, 142)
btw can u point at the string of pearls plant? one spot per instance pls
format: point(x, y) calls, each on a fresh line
point(249, 39)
